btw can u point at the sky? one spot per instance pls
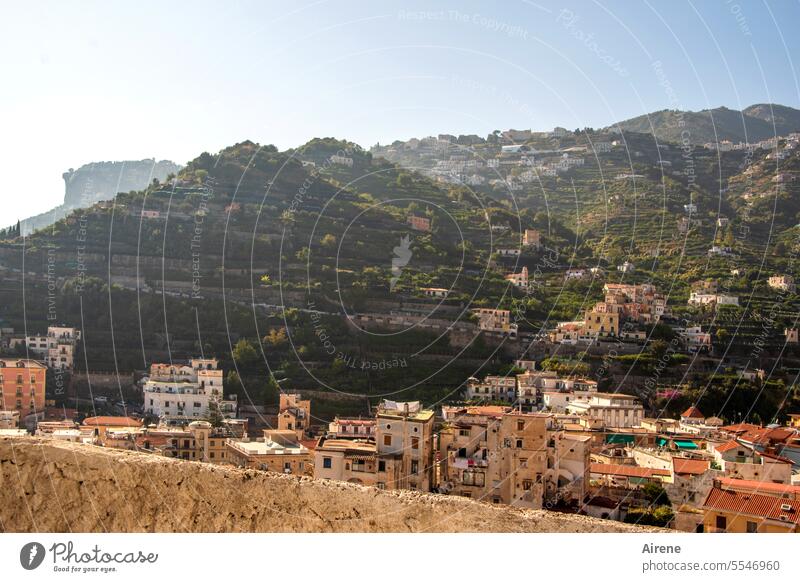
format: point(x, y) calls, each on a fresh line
point(98, 81)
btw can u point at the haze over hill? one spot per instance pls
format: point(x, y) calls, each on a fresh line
point(752, 124)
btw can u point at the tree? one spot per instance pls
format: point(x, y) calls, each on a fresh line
point(276, 337)
point(215, 416)
point(655, 494)
point(404, 180)
point(658, 348)
point(244, 354)
point(328, 241)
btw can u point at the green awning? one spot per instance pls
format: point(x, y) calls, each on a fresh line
point(685, 445)
point(619, 439)
point(661, 442)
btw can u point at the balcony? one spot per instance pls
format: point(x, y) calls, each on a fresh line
point(468, 463)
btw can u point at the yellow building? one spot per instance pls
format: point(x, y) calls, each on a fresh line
point(351, 460)
point(494, 454)
point(294, 414)
point(763, 509)
point(405, 446)
point(601, 323)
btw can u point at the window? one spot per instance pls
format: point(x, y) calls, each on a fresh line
point(414, 443)
point(197, 405)
point(381, 466)
point(387, 440)
point(414, 467)
point(519, 443)
point(327, 462)
point(721, 522)
point(527, 484)
point(520, 425)
point(464, 432)
point(380, 485)
point(752, 527)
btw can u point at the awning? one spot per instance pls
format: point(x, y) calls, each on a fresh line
point(685, 444)
point(619, 439)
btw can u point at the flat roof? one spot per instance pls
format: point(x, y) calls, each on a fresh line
point(267, 448)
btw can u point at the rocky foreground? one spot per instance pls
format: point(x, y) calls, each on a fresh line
point(48, 486)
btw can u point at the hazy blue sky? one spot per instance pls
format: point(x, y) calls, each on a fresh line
point(91, 81)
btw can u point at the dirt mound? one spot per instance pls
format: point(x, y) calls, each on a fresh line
point(49, 486)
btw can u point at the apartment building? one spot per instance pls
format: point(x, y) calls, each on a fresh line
point(352, 428)
point(492, 388)
point(405, 446)
point(612, 410)
point(199, 441)
point(56, 348)
point(601, 323)
point(351, 460)
point(182, 392)
point(532, 238)
point(278, 451)
point(294, 414)
point(519, 280)
point(22, 386)
point(535, 389)
point(783, 283)
point(638, 303)
point(495, 454)
point(701, 298)
point(496, 321)
point(738, 506)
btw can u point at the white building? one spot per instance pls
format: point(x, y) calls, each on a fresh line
point(57, 348)
point(492, 388)
point(613, 410)
point(178, 392)
point(701, 298)
point(783, 283)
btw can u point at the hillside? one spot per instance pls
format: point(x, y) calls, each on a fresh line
point(58, 487)
point(752, 124)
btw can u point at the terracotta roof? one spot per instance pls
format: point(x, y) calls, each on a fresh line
point(627, 470)
point(309, 444)
point(729, 446)
point(683, 466)
point(753, 504)
point(489, 410)
point(741, 427)
point(112, 421)
point(776, 457)
point(692, 412)
point(760, 486)
point(768, 435)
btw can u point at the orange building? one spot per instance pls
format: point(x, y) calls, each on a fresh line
point(22, 384)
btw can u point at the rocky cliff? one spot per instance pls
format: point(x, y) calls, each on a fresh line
point(98, 181)
point(51, 486)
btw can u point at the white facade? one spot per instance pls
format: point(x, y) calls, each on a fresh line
point(613, 410)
